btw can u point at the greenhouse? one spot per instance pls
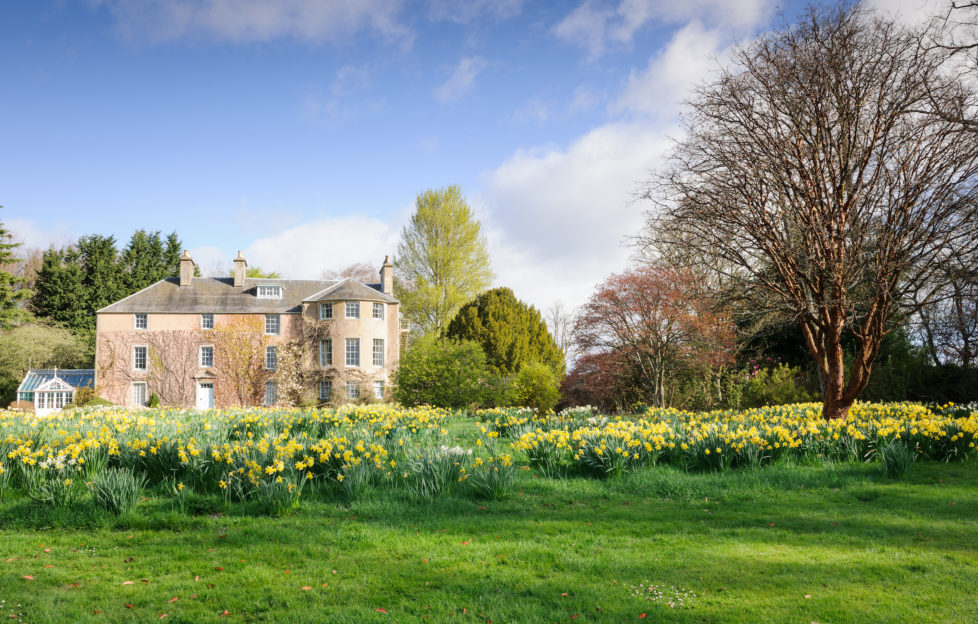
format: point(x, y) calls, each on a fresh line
point(50, 389)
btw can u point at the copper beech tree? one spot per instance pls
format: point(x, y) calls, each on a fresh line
point(829, 170)
point(643, 322)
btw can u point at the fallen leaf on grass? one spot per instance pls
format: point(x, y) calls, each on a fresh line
point(306, 587)
point(144, 581)
point(129, 606)
point(808, 595)
point(49, 566)
point(9, 560)
point(219, 568)
point(466, 542)
point(226, 612)
point(163, 615)
point(28, 577)
point(175, 598)
point(47, 550)
point(128, 582)
point(196, 579)
point(381, 610)
point(641, 617)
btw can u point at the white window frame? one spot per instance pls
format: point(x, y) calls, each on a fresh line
point(271, 393)
point(378, 311)
point(276, 320)
point(352, 390)
point(349, 351)
point(378, 389)
point(145, 357)
point(136, 318)
point(326, 352)
point(269, 291)
point(202, 363)
point(209, 316)
point(325, 390)
point(325, 311)
point(379, 342)
point(271, 357)
point(132, 393)
point(352, 306)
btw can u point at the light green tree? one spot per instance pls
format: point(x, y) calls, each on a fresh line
point(442, 260)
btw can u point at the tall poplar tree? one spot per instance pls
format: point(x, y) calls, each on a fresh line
point(442, 260)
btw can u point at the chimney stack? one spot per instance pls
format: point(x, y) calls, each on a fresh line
point(186, 268)
point(387, 277)
point(240, 270)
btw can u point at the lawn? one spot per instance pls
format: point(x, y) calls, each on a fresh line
point(787, 542)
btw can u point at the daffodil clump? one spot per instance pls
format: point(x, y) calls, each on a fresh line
point(266, 455)
point(725, 439)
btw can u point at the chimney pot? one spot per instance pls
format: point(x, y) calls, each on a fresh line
point(240, 270)
point(186, 268)
point(387, 277)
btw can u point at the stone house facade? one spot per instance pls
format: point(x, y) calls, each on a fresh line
point(219, 342)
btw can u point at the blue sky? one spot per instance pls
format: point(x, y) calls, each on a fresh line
point(300, 131)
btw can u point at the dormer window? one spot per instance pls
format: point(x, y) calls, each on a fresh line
point(270, 292)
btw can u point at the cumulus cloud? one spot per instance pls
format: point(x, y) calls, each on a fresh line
point(599, 27)
point(462, 79)
point(305, 251)
point(245, 21)
point(557, 218)
point(688, 59)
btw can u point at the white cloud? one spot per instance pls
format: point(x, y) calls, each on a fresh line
point(243, 21)
point(558, 218)
point(462, 79)
point(306, 250)
point(688, 59)
point(534, 110)
point(909, 11)
point(28, 232)
point(599, 27)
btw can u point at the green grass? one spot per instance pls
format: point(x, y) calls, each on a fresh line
point(787, 543)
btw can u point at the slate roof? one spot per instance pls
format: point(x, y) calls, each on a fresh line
point(35, 377)
point(350, 290)
point(218, 294)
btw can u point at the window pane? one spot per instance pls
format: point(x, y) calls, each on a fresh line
point(352, 309)
point(325, 311)
point(379, 311)
point(271, 358)
point(379, 389)
point(207, 356)
point(352, 390)
point(353, 352)
point(378, 351)
point(272, 324)
point(325, 389)
point(271, 393)
point(139, 394)
point(141, 321)
point(326, 352)
point(207, 321)
point(139, 358)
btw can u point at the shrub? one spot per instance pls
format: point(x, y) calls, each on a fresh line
point(536, 386)
point(154, 400)
point(117, 489)
point(779, 385)
point(84, 396)
point(24, 406)
point(442, 373)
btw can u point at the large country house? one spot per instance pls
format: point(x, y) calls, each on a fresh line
point(209, 342)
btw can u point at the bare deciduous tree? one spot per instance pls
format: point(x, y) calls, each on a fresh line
point(828, 171)
point(651, 319)
point(360, 271)
point(560, 322)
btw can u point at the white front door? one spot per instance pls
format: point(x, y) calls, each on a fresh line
point(205, 395)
